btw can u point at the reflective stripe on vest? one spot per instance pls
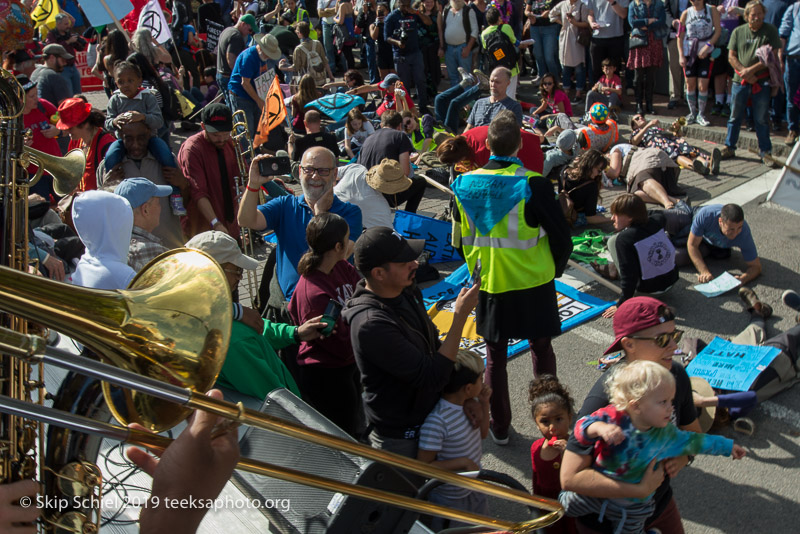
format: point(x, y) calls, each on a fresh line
point(512, 241)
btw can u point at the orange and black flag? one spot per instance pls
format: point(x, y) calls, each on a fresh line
point(272, 115)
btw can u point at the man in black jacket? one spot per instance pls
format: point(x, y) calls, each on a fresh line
point(403, 364)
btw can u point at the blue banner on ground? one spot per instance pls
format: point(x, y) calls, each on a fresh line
point(437, 234)
point(337, 105)
point(726, 365)
point(574, 308)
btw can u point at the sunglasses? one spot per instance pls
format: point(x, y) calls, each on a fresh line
point(547, 84)
point(663, 340)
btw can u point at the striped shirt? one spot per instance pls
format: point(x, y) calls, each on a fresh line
point(448, 432)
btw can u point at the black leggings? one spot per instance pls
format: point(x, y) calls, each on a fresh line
point(644, 81)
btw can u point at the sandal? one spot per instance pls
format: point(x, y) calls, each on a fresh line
point(608, 271)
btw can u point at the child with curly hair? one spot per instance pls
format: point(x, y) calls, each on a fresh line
point(552, 409)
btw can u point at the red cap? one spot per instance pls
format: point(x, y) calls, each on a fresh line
point(635, 315)
point(72, 112)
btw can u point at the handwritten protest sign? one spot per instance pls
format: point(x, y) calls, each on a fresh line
point(729, 366)
point(213, 32)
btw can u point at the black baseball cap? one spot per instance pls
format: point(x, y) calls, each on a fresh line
point(25, 82)
point(217, 118)
point(380, 245)
point(23, 55)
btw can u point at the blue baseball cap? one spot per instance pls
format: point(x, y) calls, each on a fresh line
point(137, 191)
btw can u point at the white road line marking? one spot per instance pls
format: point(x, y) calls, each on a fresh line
point(777, 411)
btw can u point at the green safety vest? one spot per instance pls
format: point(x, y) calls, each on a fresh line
point(514, 256)
point(417, 142)
point(298, 17)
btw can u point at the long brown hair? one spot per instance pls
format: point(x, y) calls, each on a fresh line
point(582, 167)
point(306, 91)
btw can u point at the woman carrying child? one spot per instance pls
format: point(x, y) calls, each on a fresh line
point(644, 329)
point(329, 379)
point(552, 408)
point(633, 431)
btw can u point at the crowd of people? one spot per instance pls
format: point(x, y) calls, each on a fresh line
point(381, 372)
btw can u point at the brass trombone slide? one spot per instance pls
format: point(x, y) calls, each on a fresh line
point(34, 350)
point(154, 441)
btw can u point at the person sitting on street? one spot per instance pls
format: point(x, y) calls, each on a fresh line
point(145, 199)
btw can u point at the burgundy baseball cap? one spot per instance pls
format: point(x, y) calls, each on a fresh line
point(635, 315)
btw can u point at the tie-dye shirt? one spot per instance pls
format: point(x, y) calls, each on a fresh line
point(628, 460)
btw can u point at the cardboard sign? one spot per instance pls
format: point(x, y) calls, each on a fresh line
point(729, 366)
point(212, 36)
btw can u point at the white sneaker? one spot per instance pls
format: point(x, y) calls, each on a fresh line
point(690, 119)
point(702, 121)
point(537, 80)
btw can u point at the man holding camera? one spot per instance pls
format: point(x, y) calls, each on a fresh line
point(401, 31)
point(289, 215)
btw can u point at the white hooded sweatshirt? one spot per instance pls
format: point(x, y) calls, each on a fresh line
point(104, 222)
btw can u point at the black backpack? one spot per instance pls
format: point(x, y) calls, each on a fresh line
point(499, 51)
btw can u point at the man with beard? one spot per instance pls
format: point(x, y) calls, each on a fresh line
point(208, 160)
point(403, 364)
point(289, 215)
point(140, 162)
point(48, 76)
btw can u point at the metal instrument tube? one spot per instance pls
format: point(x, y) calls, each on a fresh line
point(84, 424)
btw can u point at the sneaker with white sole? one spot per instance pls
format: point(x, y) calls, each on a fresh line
point(702, 121)
point(690, 119)
point(791, 299)
point(499, 439)
point(483, 80)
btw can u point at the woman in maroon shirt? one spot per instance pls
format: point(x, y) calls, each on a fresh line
point(329, 378)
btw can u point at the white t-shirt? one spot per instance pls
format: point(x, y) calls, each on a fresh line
point(353, 188)
point(361, 135)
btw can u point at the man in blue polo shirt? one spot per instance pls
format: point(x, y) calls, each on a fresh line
point(715, 230)
point(289, 215)
point(250, 65)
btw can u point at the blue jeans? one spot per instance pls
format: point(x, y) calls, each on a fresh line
point(251, 112)
point(411, 69)
point(73, 78)
point(760, 107)
point(453, 60)
point(370, 49)
point(791, 79)
point(327, 43)
point(545, 48)
point(157, 147)
point(449, 104)
point(580, 77)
